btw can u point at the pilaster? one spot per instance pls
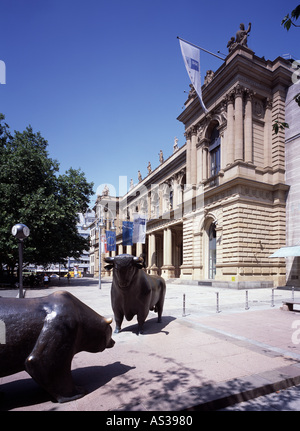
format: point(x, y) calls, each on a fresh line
point(193, 156)
point(239, 129)
point(230, 130)
point(248, 138)
point(188, 156)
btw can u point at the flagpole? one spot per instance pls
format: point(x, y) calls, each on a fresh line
point(196, 46)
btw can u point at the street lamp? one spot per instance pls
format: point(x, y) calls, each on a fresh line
point(101, 225)
point(20, 231)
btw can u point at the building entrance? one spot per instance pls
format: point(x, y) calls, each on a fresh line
point(212, 251)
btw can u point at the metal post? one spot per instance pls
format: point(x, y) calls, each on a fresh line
point(20, 231)
point(183, 310)
point(205, 50)
point(272, 303)
point(247, 305)
point(217, 309)
point(20, 268)
point(100, 239)
point(293, 293)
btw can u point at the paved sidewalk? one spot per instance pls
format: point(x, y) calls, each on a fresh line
point(202, 356)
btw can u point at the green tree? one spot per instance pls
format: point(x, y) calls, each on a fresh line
point(34, 193)
point(287, 22)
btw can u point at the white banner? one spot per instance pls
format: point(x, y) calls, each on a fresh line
point(139, 228)
point(103, 243)
point(191, 57)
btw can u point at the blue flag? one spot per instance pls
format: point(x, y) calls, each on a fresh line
point(127, 232)
point(110, 240)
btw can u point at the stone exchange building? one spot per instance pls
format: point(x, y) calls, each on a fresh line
point(216, 208)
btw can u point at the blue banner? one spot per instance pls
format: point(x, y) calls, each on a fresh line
point(127, 232)
point(110, 240)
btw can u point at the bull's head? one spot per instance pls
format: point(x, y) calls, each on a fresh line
point(125, 267)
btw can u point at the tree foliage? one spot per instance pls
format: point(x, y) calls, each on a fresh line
point(34, 193)
point(288, 20)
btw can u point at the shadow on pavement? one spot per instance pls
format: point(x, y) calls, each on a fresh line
point(151, 326)
point(26, 392)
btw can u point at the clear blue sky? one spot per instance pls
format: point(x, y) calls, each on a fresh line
point(104, 81)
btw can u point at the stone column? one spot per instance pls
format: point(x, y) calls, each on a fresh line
point(152, 268)
point(239, 133)
point(248, 128)
point(167, 247)
point(168, 270)
point(139, 249)
point(230, 130)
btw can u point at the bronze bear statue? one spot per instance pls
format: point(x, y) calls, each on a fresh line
point(41, 336)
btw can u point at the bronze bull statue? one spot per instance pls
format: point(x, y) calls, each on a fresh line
point(41, 336)
point(133, 291)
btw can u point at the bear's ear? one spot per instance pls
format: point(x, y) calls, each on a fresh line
point(108, 267)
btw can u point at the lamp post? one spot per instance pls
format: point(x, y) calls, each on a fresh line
point(20, 231)
point(101, 225)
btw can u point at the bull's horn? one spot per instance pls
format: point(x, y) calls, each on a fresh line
point(109, 259)
point(108, 321)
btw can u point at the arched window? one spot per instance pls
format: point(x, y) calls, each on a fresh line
point(215, 152)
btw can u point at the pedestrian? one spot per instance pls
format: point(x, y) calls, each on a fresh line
point(46, 280)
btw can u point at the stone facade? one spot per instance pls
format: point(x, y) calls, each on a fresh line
point(216, 208)
point(293, 179)
point(244, 187)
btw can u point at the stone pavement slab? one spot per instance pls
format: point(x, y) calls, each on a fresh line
point(197, 359)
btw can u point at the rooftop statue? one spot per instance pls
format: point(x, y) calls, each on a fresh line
point(105, 191)
point(161, 156)
point(175, 146)
point(240, 38)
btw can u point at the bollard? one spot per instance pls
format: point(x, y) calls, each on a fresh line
point(2, 332)
point(218, 309)
point(272, 301)
point(183, 305)
point(247, 305)
point(293, 293)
